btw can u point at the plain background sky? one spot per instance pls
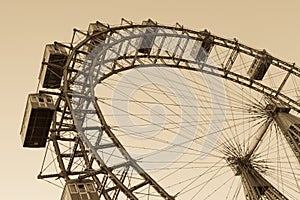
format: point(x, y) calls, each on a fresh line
point(26, 26)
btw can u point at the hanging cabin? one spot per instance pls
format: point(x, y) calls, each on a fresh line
point(146, 42)
point(80, 190)
point(37, 120)
point(201, 49)
point(95, 41)
point(259, 67)
point(54, 60)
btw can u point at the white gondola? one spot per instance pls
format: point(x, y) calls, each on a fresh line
point(54, 59)
point(201, 49)
point(95, 28)
point(37, 120)
point(80, 190)
point(259, 67)
point(145, 43)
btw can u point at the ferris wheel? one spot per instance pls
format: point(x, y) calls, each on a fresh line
point(148, 111)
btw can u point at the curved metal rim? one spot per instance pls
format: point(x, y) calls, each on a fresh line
point(222, 42)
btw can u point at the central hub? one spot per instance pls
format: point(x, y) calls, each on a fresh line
point(240, 161)
point(238, 164)
point(273, 108)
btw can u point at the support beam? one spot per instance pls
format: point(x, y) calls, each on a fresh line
point(290, 127)
point(122, 179)
point(59, 158)
point(258, 137)
point(256, 187)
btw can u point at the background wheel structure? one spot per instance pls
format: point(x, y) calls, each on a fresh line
point(147, 111)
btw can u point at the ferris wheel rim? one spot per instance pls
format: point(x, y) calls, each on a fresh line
point(69, 60)
point(288, 67)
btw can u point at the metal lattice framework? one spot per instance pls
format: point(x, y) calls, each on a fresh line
point(249, 151)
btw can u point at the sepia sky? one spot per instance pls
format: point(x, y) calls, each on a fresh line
point(27, 26)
